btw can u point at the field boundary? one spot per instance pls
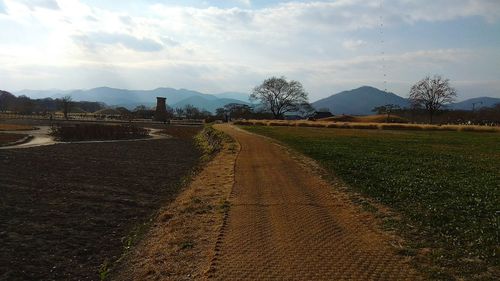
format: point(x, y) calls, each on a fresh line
point(370, 126)
point(180, 243)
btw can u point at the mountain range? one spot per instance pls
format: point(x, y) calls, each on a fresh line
point(360, 101)
point(133, 98)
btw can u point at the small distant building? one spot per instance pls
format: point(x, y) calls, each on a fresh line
point(293, 117)
point(161, 109)
point(322, 114)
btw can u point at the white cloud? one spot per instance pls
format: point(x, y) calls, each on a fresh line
point(353, 44)
point(212, 49)
point(46, 4)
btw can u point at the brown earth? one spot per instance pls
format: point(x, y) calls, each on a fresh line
point(180, 244)
point(65, 209)
point(15, 127)
point(285, 223)
point(6, 139)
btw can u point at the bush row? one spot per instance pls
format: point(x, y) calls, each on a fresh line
point(86, 132)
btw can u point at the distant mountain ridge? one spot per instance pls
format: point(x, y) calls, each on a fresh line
point(474, 103)
point(361, 101)
point(5, 94)
point(133, 98)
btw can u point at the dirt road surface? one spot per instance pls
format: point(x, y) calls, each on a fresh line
point(286, 223)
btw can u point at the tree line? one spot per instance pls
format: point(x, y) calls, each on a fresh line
point(26, 105)
point(276, 97)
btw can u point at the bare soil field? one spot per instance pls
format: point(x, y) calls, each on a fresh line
point(68, 211)
point(6, 139)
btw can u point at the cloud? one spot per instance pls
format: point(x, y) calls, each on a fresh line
point(353, 44)
point(46, 4)
point(93, 40)
point(247, 3)
point(2, 8)
point(322, 43)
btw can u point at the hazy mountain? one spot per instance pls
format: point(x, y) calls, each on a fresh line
point(133, 98)
point(359, 101)
point(41, 94)
point(479, 102)
point(204, 103)
point(234, 95)
point(5, 94)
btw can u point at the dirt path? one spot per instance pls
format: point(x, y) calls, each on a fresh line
point(285, 223)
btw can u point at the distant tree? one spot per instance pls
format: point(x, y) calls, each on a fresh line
point(24, 105)
point(220, 113)
point(65, 103)
point(191, 111)
point(432, 94)
point(140, 108)
point(386, 109)
point(306, 110)
point(143, 112)
point(235, 111)
point(179, 112)
point(279, 96)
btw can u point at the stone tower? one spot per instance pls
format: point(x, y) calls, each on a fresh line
point(161, 109)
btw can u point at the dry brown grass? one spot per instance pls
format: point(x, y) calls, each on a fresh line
point(379, 118)
point(180, 243)
point(15, 127)
point(369, 125)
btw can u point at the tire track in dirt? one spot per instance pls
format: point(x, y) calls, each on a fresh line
point(286, 223)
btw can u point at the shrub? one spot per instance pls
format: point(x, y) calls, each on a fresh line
point(86, 132)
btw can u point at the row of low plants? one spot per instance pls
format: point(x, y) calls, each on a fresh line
point(90, 132)
point(372, 126)
point(445, 184)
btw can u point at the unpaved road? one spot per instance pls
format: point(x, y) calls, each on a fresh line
point(285, 223)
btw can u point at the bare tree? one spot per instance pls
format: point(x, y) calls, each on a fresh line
point(66, 103)
point(179, 112)
point(280, 96)
point(432, 94)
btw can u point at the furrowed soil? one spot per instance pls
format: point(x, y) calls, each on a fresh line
point(6, 139)
point(68, 211)
point(286, 223)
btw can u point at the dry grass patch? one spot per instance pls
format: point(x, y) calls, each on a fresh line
point(367, 125)
point(180, 243)
point(15, 127)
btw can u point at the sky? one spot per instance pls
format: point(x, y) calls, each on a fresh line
point(220, 46)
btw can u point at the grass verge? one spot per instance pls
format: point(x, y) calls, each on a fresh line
point(446, 185)
point(367, 125)
point(179, 245)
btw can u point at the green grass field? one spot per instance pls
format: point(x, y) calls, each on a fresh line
point(446, 185)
